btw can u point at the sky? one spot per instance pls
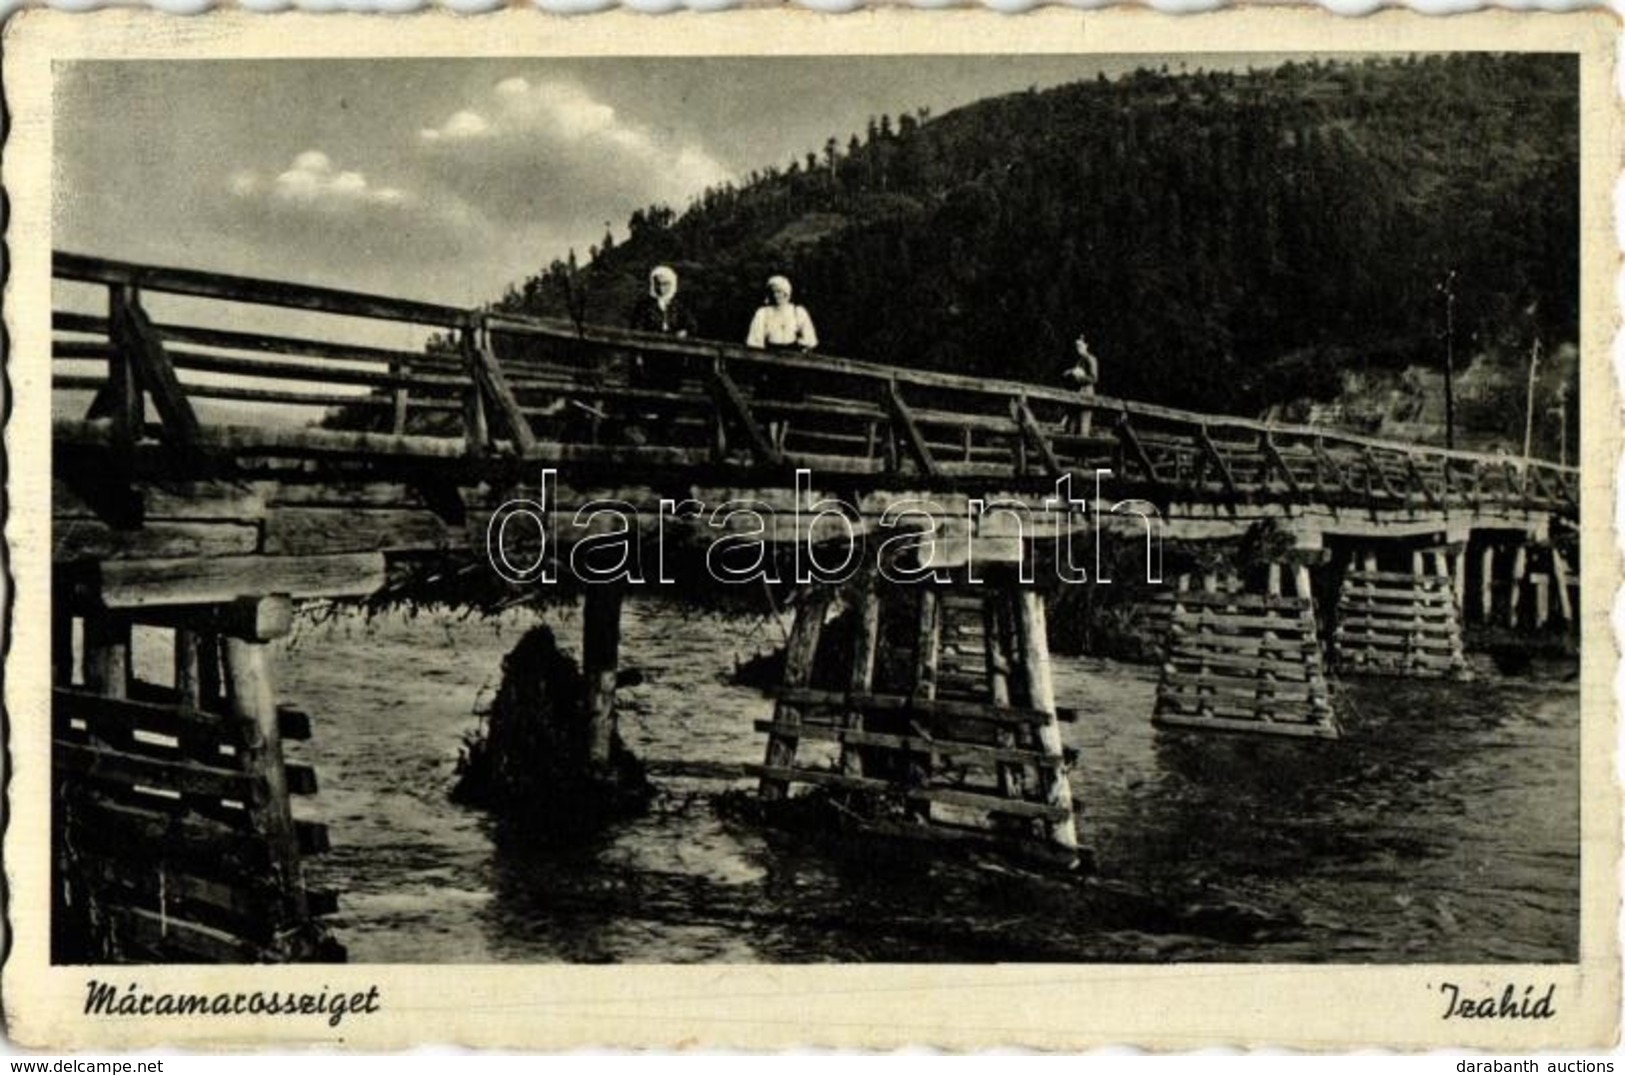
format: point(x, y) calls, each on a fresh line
point(450, 179)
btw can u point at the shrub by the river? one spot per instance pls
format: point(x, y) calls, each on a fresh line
point(533, 759)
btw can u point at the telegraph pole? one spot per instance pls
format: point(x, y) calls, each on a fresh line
point(1563, 423)
point(1529, 403)
point(1448, 287)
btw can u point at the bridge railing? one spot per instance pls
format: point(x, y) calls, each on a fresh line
point(501, 384)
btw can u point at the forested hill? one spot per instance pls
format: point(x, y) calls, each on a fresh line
point(1228, 240)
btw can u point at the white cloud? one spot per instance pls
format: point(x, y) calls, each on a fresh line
point(317, 204)
point(313, 183)
point(463, 125)
point(551, 146)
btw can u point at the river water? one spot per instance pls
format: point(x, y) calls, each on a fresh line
point(1443, 826)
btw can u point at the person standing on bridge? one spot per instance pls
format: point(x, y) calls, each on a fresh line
point(781, 325)
point(664, 312)
point(1083, 375)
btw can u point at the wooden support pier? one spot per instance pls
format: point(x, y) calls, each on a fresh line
point(176, 838)
point(1239, 660)
point(961, 742)
point(1400, 622)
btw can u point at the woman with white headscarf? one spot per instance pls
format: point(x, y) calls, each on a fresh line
point(664, 312)
point(779, 324)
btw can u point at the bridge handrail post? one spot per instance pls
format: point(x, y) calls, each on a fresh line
point(491, 383)
point(476, 430)
point(122, 398)
point(401, 400)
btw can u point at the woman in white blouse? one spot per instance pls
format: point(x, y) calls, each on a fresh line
point(781, 325)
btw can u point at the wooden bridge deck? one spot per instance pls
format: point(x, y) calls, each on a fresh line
point(300, 444)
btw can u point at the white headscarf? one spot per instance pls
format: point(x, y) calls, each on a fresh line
point(662, 272)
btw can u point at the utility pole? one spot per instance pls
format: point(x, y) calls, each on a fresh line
point(1563, 423)
point(1529, 403)
point(1448, 287)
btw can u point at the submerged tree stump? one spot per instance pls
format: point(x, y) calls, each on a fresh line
point(537, 762)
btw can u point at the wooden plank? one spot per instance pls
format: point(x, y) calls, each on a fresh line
point(128, 584)
point(994, 618)
point(993, 804)
point(600, 666)
point(913, 744)
point(79, 351)
point(499, 393)
point(1397, 623)
point(400, 398)
point(1560, 575)
point(281, 397)
point(731, 401)
point(1272, 454)
point(864, 606)
point(1399, 579)
point(1240, 601)
point(89, 324)
point(1197, 686)
point(1284, 669)
point(66, 266)
point(267, 343)
point(321, 902)
point(902, 703)
point(1250, 727)
point(106, 826)
point(315, 531)
point(243, 906)
point(1373, 596)
point(168, 936)
point(254, 618)
point(1031, 644)
point(293, 723)
point(928, 642)
point(301, 778)
point(1035, 436)
point(345, 494)
point(107, 668)
point(998, 426)
point(92, 539)
point(312, 837)
point(904, 423)
point(1242, 708)
point(207, 362)
point(194, 744)
point(76, 496)
point(119, 397)
point(1211, 450)
point(800, 651)
point(130, 716)
point(1136, 450)
point(1420, 483)
point(1187, 642)
point(252, 697)
point(134, 335)
point(1343, 640)
point(116, 768)
point(1210, 619)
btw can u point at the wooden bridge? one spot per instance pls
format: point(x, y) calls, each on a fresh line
point(225, 447)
